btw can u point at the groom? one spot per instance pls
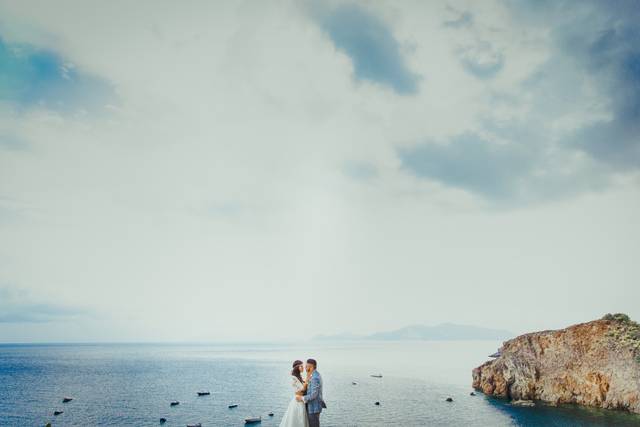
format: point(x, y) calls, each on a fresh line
point(313, 398)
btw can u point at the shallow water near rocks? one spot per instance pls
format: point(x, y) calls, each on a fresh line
point(133, 385)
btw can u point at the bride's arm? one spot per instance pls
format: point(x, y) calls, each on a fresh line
point(300, 387)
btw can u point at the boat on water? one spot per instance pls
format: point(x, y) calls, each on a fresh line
point(204, 393)
point(233, 406)
point(174, 403)
point(67, 399)
point(253, 420)
point(377, 375)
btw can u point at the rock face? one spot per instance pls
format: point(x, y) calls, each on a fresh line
point(595, 363)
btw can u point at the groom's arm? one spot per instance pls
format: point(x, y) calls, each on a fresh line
point(314, 390)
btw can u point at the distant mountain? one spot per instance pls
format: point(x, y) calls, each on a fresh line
point(338, 337)
point(442, 332)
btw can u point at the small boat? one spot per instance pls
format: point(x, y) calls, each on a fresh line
point(163, 420)
point(472, 393)
point(496, 354)
point(194, 425)
point(233, 406)
point(174, 403)
point(354, 383)
point(56, 413)
point(253, 420)
point(449, 399)
point(270, 414)
point(67, 399)
point(204, 393)
point(377, 403)
point(377, 375)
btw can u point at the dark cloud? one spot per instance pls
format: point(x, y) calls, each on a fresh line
point(31, 77)
point(371, 46)
point(613, 57)
point(594, 54)
point(601, 42)
point(507, 173)
point(472, 163)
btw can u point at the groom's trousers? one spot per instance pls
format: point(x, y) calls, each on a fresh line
point(314, 420)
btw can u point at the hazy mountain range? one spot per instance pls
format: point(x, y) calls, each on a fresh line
point(441, 332)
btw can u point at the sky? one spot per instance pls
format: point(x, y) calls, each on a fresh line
point(241, 170)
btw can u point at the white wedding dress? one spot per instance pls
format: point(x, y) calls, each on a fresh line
point(296, 415)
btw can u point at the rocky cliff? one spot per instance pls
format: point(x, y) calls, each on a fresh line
point(595, 363)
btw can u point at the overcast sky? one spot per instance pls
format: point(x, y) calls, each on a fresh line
point(274, 170)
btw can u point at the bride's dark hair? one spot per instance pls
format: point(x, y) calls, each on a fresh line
point(295, 371)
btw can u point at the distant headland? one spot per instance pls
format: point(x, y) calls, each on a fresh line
point(441, 332)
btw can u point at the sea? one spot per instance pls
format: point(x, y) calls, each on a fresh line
point(133, 385)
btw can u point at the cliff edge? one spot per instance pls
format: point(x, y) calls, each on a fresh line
point(595, 363)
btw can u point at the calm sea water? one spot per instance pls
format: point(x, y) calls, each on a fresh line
point(132, 385)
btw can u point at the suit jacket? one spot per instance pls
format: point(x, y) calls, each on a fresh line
point(313, 398)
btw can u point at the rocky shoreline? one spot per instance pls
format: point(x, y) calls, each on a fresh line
point(595, 364)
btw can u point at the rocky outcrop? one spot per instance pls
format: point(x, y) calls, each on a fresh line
point(595, 363)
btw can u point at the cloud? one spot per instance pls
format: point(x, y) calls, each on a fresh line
point(33, 77)
point(226, 209)
point(360, 171)
point(613, 58)
point(602, 44)
point(581, 111)
point(470, 162)
point(17, 306)
point(508, 170)
point(10, 211)
point(462, 18)
point(12, 142)
point(481, 59)
point(371, 46)
point(478, 57)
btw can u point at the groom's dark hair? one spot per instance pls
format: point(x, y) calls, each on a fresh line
point(313, 362)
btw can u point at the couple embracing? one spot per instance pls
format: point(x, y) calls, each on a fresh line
point(307, 403)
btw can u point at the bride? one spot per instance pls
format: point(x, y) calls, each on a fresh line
point(296, 415)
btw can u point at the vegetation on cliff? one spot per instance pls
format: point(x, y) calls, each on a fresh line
point(626, 332)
